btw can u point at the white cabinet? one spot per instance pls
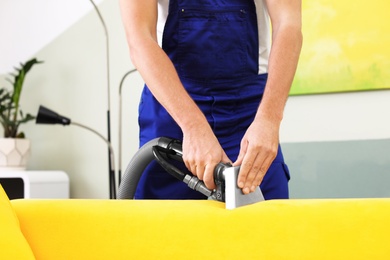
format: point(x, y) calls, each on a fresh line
point(35, 184)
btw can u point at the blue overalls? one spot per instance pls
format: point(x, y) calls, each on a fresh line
point(213, 45)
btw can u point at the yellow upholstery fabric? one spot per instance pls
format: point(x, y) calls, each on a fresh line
point(13, 245)
point(279, 229)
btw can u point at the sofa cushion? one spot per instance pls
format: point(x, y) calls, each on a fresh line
point(13, 245)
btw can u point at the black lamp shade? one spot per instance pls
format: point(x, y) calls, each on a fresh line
point(47, 116)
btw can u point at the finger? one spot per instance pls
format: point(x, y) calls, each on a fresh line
point(258, 172)
point(245, 168)
point(261, 173)
point(243, 172)
point(188, 164)
point(239, 159)
point(253, 175)
point(258, 178)
point(241, 155)
point(191, 166)
point(208, 177)
point(200, 171)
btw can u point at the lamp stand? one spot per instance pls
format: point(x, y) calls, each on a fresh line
point(112, 182)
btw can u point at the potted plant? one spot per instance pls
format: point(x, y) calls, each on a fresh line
point(14, 148)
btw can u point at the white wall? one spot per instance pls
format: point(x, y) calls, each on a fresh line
point(27, 26)
point(72, 81)
point(336, 117)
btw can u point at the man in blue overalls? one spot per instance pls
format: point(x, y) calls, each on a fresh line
point(216, 81)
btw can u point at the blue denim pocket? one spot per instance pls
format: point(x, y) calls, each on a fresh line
point(213, 44)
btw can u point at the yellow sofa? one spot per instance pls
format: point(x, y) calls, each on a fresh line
point(111, 229)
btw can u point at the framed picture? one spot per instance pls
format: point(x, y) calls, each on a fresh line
point(346, 47)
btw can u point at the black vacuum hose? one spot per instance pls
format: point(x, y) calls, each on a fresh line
point(144, 156)
point(135, 169)
point(161, 149)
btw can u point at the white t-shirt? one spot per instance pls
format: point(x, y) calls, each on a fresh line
point(262, 21)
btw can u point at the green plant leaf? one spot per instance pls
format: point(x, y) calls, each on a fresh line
point(20, 77)
point(18, 84)
point(10, 115)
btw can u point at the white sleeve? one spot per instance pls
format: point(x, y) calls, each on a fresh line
point(264, 28)
point(163, 7)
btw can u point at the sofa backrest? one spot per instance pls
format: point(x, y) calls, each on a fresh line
point(189, 229)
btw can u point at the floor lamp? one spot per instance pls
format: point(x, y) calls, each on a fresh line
point(47, 116)
point(111, 177)
point(120, 126)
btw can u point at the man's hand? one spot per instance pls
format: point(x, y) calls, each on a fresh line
point(259, 147)
point(201, 154)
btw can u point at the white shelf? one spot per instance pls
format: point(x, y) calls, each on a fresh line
point(38, 184)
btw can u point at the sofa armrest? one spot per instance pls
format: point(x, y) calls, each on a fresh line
point(13, 244)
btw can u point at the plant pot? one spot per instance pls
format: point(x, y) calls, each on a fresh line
point(14, 153)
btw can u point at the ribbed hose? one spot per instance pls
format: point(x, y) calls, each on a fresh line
point(135, 168)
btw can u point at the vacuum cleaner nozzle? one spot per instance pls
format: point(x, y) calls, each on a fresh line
point(234, 197)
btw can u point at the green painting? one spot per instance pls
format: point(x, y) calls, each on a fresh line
point(346, 47)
